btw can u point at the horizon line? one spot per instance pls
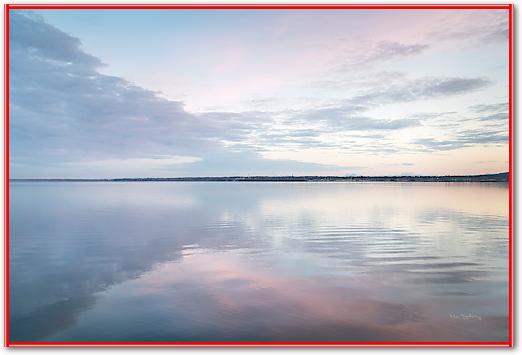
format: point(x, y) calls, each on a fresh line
point(266, 176)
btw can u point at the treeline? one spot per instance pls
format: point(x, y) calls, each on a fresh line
point(501, 177)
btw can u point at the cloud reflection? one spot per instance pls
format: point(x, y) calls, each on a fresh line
point(280, 262)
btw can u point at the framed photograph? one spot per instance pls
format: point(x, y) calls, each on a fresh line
point(258, 175)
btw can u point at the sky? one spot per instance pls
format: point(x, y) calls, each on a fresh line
point(158, 93)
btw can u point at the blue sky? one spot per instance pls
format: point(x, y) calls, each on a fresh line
point(112, 93)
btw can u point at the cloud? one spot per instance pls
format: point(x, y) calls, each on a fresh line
point(421, 89)
point(499, 116)
point(395, 87)
point(347, 117)
point(387, 50)
point(363, 54)
point(365, 123)
point(290, 138)
point(46, 41)
point(67, 117)
point(501, 106)
point(62, 108)
point(474, 27)
point(494, 114)
point(463, 139)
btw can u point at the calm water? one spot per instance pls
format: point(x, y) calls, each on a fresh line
point(210, 261)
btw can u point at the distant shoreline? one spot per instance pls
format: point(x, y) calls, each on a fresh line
point(500, 177)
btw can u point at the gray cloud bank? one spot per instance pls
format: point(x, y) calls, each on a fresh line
point(422, 89)
point(64, 111)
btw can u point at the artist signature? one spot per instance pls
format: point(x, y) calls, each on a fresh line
point(469, 316)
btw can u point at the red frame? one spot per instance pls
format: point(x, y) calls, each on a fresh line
point(7, 7)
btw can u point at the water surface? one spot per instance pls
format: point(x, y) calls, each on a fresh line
point(229, 261)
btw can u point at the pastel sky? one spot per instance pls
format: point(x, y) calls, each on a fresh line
point(128, 93)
